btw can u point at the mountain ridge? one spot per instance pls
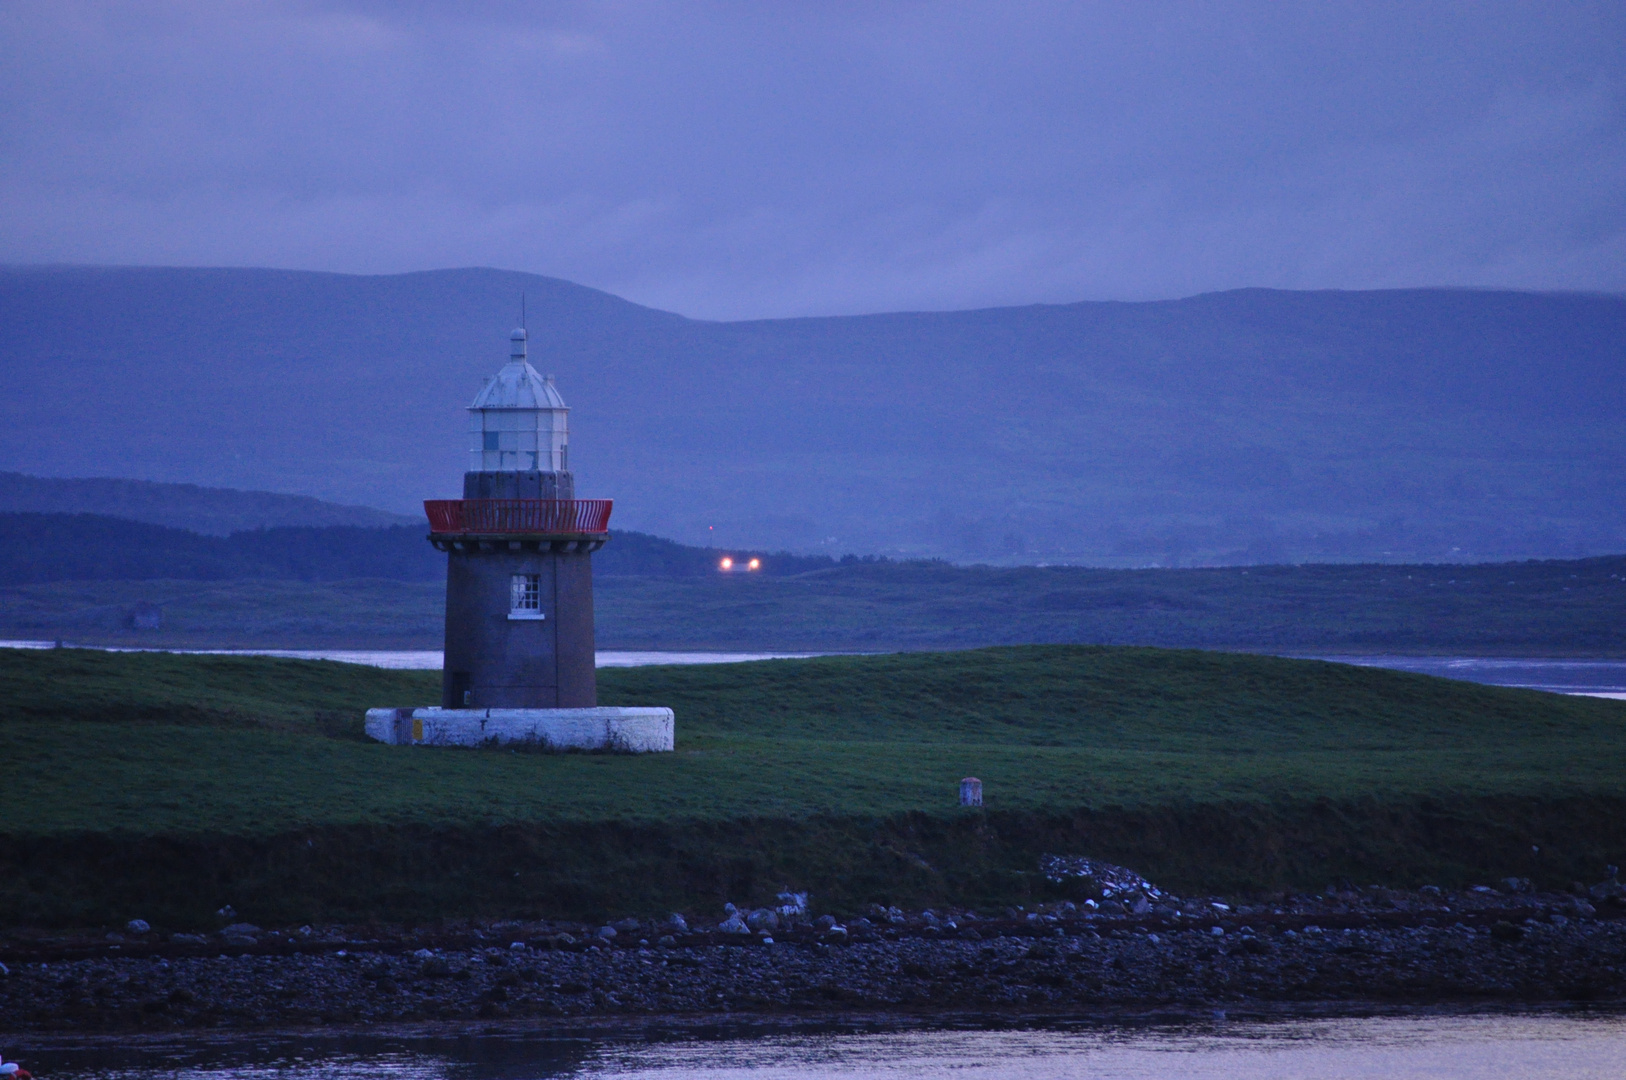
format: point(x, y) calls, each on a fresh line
point(206, 510)
point(1246, 426)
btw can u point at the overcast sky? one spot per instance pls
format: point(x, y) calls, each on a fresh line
point(776, 158)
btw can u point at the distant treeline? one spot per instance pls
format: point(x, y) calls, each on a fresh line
point(304, 588)
point(639, 554)
point(90, 547)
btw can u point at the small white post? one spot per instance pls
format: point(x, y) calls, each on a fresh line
point(971, 791)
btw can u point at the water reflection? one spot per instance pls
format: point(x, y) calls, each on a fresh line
point(1599, 678)
point(1532, 1047)
point(431, 659)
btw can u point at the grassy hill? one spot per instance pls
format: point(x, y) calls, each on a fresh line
point(1257, 425)
point(173, 784)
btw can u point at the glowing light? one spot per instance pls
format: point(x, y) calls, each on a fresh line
point(754, 564)
point(727, 563)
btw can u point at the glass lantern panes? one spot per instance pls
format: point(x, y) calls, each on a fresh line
point(518, 440)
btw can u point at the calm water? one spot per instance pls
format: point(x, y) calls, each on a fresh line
point(1601, 678)
point(1528, 1047)
point(430, 659)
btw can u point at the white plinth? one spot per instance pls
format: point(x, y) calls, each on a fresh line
point(636, 731)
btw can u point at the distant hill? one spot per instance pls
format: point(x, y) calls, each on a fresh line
point(213, 511)
point(1248, 426)
point(85, 547)
point(38, 548)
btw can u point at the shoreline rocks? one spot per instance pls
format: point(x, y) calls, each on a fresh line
point(1422, 947)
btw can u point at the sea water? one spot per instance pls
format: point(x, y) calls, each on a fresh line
point(432, 659)
point(1598, 678)
point(1427, 1047)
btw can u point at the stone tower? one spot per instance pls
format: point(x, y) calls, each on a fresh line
point(519, 544)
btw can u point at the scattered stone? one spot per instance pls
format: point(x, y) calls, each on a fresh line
point(733, 924)
point(608, 933)
point(1382, 945)
point(1104, 875)
point(137, 926)
point(894, 915)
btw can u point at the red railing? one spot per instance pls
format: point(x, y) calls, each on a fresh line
point(547, 517)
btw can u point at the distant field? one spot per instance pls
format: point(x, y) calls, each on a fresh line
point(365, 613)
point(247, 756)
point(1536, 608)
point(1548, 608)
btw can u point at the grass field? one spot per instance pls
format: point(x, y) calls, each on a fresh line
point(1575, 607)
point(110, 755)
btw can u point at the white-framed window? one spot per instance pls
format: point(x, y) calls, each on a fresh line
point(525, 597)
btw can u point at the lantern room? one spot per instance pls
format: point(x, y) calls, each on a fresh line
point(518, 423)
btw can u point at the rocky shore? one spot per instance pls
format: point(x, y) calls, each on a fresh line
point(1140, 949)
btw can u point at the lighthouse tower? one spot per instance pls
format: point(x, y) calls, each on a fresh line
point(519, 544)
point(519, 590)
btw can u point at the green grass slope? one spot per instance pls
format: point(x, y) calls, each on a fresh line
point(840, 772)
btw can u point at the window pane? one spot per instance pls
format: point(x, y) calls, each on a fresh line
point(525, 592)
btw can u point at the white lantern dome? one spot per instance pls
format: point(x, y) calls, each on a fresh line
point(518, 422)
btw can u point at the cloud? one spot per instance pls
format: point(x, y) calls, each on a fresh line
point(744, 160)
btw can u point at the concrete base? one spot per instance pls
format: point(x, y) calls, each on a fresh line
point(635, 731)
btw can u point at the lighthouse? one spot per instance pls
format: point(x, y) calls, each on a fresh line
point(519, 548)
point(519, 659)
